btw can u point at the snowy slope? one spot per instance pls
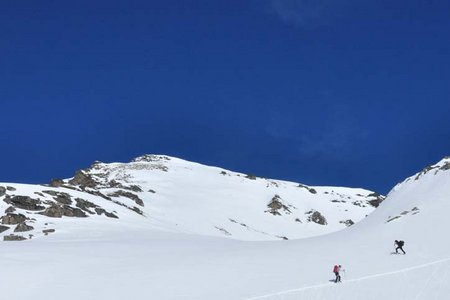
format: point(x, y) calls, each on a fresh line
point(175, 195)
point(117, 261)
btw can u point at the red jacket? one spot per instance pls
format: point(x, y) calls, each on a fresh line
point(336, 269)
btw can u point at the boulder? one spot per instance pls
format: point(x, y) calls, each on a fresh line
point(47, 231)
point(22, 227)
point(13, 219)
point(10, 209)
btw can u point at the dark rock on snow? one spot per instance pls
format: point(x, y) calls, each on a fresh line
point(3, 228)
point(317, 218)
point(128, 195)
point(24, 202)
point(57, 211)
point(47, 231)
point(13, 219)
point(22, 227)
point(13, 237)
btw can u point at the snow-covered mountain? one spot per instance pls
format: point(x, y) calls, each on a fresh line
point(85, 259)
point(170, 194)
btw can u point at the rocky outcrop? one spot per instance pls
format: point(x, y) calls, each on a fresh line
point(13, 237)
point(24, 202)
point(347, 223)
point(446, 166)
point(311, 190)
point(276, 206)
point(60, 197)
point(13, 219)
point(85, 205)
point(83, 180)
point(377, 199)
point(57, 211)
point(101, 211)
point(317, 218)
point(10, 209)
point(2, 191)
point(56, 183)
point(3, 228)
point(128, 195)
point(251, 177)
point(22, 227)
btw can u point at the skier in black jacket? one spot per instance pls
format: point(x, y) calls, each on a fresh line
point(399, 245)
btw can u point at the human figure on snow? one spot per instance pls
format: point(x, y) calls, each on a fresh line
point(399, 245)
point(336, 270)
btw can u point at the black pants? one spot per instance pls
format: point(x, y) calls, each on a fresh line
point(338, 277)
point(399, 247)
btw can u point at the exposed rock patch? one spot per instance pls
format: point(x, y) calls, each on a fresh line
point(3, 228)
point(10, 209)
point(83, 180)
point(60, 197)
point(56, 183)
point(101, 211)
point(251, 177)
point(22, 227)
point(47, 231)
point(317, 218)
point(57, 211)
point(2, 191)
point(377, 201)
point(13, 219)
point(128, 195)
point(311, 190)
point(85, 205)
point(24, 202)
point(13, 237)
point(276, 205)
point(347, 223)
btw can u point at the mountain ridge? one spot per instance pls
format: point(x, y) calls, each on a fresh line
point(184, 196)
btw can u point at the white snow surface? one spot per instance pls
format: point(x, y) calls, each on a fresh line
point(103, 258)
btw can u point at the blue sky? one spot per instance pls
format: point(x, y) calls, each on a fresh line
point(352, 93)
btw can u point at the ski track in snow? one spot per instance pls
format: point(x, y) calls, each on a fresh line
point(352, 280)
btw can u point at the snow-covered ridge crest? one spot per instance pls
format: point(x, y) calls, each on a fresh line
point(432, 170)
point(159, 192)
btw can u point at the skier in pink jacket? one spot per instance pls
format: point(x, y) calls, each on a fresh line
point(336, 270)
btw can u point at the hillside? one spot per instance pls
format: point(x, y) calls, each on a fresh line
point(170, 194)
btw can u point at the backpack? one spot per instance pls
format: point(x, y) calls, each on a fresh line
point(401, 243)
point(336, 269)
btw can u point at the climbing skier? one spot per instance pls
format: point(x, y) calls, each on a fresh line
point(399, 245)
point(336, 270)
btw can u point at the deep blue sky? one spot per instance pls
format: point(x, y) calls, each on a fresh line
point(351, 92)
